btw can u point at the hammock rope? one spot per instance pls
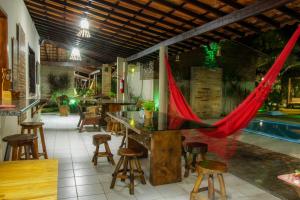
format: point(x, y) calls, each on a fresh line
point(243, 113)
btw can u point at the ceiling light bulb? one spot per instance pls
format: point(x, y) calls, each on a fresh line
point(84, 28)
point(75, 54)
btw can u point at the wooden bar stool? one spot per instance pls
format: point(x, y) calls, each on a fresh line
point(35, 126)
point(97, 141)
point(15, 142)
point(196, 152)
point(130, 164)
point(210, 168)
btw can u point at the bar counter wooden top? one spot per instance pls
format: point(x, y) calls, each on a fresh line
point(29, 179)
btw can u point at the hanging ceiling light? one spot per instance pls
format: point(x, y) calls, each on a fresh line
point(75, 54)
point(84, 28)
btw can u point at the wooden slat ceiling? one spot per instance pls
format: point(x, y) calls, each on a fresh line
point(125, 27)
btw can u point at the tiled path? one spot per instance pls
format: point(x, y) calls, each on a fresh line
point(79, 179)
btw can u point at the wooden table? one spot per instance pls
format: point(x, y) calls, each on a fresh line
point(159, 136)
point(291, 180)
point(111, 105)
point(30, 179)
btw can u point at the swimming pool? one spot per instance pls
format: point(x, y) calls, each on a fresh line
point(280, 130)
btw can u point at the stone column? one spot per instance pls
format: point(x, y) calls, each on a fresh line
point(163, 81)
point(106, 79)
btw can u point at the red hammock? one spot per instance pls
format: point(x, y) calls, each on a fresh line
point(242, 115)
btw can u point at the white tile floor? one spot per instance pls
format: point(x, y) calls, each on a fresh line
point(80, 180)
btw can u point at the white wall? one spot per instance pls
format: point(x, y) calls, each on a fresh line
point(17, 13)
point(138, 87)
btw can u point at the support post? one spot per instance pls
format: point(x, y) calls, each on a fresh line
point(163, 82)
point(121, 74)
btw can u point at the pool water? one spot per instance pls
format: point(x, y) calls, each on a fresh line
point(280, 130)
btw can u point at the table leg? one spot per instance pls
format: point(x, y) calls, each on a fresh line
point(2, 128)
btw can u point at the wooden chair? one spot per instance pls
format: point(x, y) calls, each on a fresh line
point(97, 141)
point(15, 142)
point(33, 127)
point(210, 168)
point(130, 164)
point(88, 118)
point(196, 152)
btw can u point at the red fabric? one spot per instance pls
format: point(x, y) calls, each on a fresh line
point(242, 115)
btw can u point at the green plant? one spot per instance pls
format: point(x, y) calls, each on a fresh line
point(112, 95)
point(149, 105)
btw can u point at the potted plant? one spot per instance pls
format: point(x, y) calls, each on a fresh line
point(149, 107)
point(63, 105)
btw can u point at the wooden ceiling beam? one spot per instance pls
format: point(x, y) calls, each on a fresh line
point(179, 19)
point(262, 17)
point(70, 31)
point(132, 33)
point(235, 16)
point(289, 12)
point(96, 33)
point(160, 36)
point(202, 17)
point(65, 36)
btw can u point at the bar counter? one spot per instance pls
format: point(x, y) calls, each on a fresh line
point(22, 105)
point(161, 136)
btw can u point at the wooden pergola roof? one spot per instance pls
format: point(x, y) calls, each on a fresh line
point(126, 27)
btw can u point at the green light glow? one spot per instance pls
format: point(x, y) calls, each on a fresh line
point(156, 102)
point(210, 55)
point(72, 102)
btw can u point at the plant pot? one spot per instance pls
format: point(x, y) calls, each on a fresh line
point(148, 114)
point(64, 110)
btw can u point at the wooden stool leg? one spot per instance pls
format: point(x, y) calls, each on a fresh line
point(43, 142)
point(125, 167)
point(188, 166)
point(196, 187)
point(34, 151)
point(116, 172)
point(222, 186)
point(22, 132)
point(7, 152)
point(140, 170)
point(36, 145)
point(110, 155)
point(123, 141)
point(211, 189)
point(14, 153)
point(27, 154)
point(81, 125)
point(131, 176)
point(95, 157)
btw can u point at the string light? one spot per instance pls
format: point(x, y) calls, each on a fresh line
point(84, 29)
point(75, 54)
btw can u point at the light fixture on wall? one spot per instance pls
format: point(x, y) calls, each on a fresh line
point(84, 28)
point(75, 54)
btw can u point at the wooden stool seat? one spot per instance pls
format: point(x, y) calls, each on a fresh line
point(35, 126)
point(196, 152)
point(101, 138)
point(210, 168)
point(32, 124)
point(130, 164)
point(97, 141)
point(129, 152)
point(17, 141)
point(19, 138)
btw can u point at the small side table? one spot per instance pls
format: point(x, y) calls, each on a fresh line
point(291, 180)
